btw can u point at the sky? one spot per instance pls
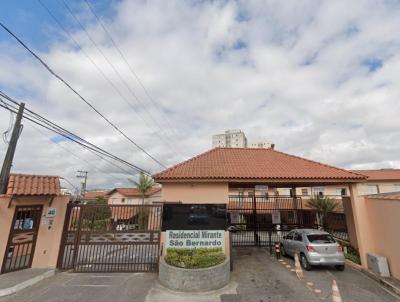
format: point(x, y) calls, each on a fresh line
point(320, 79)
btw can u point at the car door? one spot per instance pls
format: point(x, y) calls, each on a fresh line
point(288, 243)
point(297, 243)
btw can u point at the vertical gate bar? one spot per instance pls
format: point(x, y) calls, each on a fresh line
point(64, 237)
point(77, 237)
point(256, 242)
point(38, 210)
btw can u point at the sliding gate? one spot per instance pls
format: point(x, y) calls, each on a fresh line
point(261, 221)
point(111, 238)
point(264, 220)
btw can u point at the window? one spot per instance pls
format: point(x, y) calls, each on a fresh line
point(298, 237)
point(343, 192)
point(304, 192)
point(123, 200)
point(397, 187)
point(321, 238)
point(319, 191)
point(372, 189)
point(289, 236)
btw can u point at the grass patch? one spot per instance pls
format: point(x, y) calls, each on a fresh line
point(194, 258)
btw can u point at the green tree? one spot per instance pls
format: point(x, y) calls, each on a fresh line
point(323, 205)
point(144, 185)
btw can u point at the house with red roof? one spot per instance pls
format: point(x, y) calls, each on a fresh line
point(129, 196)
point(32, 213)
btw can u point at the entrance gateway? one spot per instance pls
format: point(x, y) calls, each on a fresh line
point(111, 238)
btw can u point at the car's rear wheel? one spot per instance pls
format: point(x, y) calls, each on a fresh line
point(304, 262)
point(339, 267)
point(283, 252)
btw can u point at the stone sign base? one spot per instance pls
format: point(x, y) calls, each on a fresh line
point(194, 280)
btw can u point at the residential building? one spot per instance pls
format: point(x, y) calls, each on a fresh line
point(32, 216)
point(126, 196)
point(379, 181)
point(261, 144)
point(230, 139)
point(94, 195)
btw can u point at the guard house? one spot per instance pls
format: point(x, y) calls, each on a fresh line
point(247, 181)
point(32, 215)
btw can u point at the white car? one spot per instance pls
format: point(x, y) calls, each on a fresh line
point(314, 247)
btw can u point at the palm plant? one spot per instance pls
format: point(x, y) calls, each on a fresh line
point(323, 205)
point(144, 185)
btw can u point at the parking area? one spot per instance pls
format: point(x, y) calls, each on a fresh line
point(261, 277)
point(256, 277)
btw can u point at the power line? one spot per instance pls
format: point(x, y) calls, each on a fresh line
point(117, 90)
point(79, 95)
point(45, 123)
point(82, 159)
point(115, 71)
point(126, 61)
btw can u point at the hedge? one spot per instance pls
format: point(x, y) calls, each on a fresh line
point(194, 258)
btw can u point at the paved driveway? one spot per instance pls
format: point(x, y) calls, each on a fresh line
point(257, 277)
point(262, 278)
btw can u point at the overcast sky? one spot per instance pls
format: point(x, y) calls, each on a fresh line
point(320, 79)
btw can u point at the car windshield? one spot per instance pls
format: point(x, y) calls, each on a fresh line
point(320, 238)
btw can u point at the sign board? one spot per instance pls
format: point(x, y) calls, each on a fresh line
point(195, 239)
point(51, 212)
point(276, 217)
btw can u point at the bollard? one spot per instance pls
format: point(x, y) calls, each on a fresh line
point(335, 292)
point(299, 271)
point(278, 250)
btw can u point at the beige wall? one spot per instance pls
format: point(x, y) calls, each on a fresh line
point(384, 187)
point(377, 222)
point(48, 239)
point(116, 198)
point(195, 192)
point(384, 219)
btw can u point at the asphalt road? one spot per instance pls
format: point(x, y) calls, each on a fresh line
point(257, 277)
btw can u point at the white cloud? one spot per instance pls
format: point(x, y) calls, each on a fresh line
point(296, 75)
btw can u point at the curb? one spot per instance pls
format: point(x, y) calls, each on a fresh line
point(353, 265)
point(27, 283)
point(389, 286)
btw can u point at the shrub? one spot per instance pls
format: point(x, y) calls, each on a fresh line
point(194, 258)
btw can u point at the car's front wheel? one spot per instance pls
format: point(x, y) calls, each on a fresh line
point(304, 262)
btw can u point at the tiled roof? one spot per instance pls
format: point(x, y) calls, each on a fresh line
point(381, 174)
point(94, 194)
point(132, 192)
point(390, 196)
point(253, 164)
point(24, 184)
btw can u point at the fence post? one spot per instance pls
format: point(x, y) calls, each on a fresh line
point(270, 242)
point(77, 236)
point(255, 225)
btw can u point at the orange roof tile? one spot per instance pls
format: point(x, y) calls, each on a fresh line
point(242, 164)
point(24, 184)
point(390, 196)
point(133, 192)
point(381, 174)
point(94, 194)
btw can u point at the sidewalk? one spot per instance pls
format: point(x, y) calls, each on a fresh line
point(15, 281)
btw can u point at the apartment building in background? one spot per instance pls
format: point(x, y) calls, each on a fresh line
point(230, 139)
point(261, 144)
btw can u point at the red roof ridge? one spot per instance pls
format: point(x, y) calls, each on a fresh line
point(189, 160)
point(317, 162)
point(34, 175)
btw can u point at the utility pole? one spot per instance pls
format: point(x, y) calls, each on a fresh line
point(8, 159)
point(83, 174)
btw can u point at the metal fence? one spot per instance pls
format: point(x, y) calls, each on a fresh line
point(251, 219)
point(111, 238)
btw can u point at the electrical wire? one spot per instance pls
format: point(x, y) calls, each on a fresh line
point(45, 123)
point(92, 61)
point(79, 95)
point(122, 79)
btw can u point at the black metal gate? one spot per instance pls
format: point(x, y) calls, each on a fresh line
point(111, 238)
point(22, 238)
point(263, 220)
